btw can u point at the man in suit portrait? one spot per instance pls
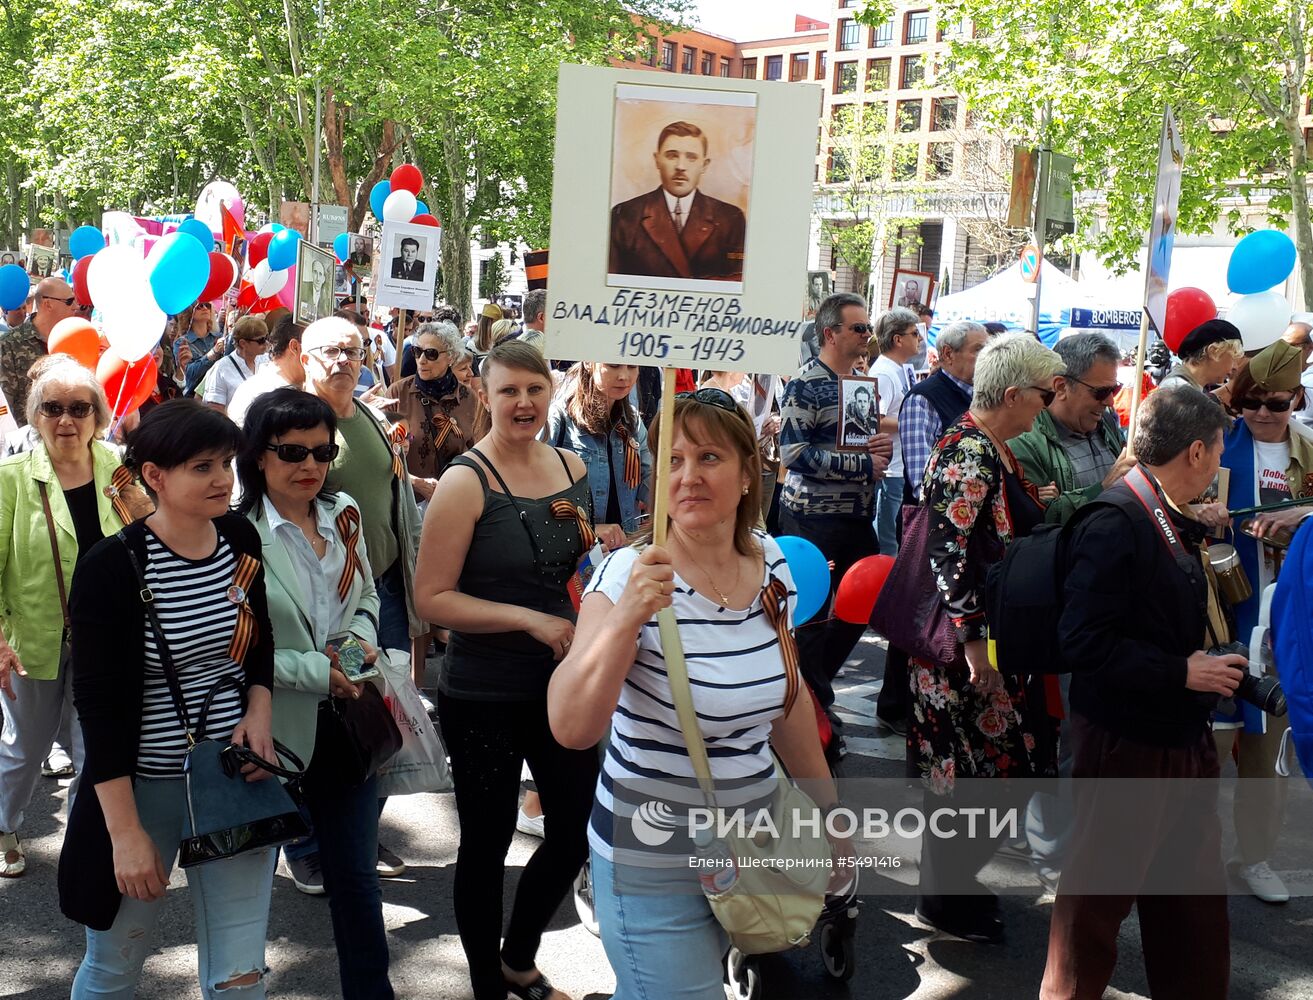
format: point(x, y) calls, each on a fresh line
point(407, 267)
point(676, 231)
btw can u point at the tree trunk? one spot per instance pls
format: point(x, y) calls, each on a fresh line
point(455, 243)
point(333, 150)
point(1299, 201)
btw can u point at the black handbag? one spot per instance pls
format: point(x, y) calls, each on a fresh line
point(226, 814)
point(910, 612)
point(354, 737)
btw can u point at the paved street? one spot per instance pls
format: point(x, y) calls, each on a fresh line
point(896, 957)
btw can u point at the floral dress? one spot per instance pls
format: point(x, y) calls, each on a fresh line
point(977, 508)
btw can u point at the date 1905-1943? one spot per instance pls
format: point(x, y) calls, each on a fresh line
point(659, 345)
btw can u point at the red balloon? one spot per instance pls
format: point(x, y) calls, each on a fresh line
point(258, 249)
point(126, 385)
point(425, 219)
point(860, 587)
point(407, 178)
point(223, 272)
point(1186, 309)
point(80, 290)
point(77, 338)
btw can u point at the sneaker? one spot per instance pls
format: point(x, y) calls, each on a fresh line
point(306, 874)
point(13, 862)
point(57, 765)
point(532, 825)
point(389, 865)
point(1263, 883)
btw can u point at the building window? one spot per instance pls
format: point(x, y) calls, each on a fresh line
point(822, 61)
point(690, 60)
point(668, 56)
point(877, 113)
point(939, 161)
point(850, 34)
point(905, 162)
point(912, 73)
point(877, 74)
point(882, 35)
point(774, 67)
point(917, 27)
point(909, 116)
point(708, 63)
point(845, 78)
point(943, 116)
point(799, 64)
point(725, 66)
point(749, 69)
point(839, 170)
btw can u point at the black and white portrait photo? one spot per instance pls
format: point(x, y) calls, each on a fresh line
point(407, 266)
point(859, 410)
point(818, 290)
point(408, 258)
point(911, 288)
point(314, 282)
point(360, 254)
point(42, 262)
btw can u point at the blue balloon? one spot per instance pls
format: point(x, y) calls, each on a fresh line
point(377, 195)
point(811, 575)
point(195, 227)
point(179, 268)
point(341, 246)
point(85, 241)
point(421, 208)
point(276, 227)
point(14, 286)
point(1260, 261)
point(282, 249)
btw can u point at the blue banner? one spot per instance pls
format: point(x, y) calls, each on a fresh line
point(1105, 319)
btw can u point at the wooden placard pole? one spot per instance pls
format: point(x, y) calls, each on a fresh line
point(661, 486)
point(400, 335)
point(1138, 388)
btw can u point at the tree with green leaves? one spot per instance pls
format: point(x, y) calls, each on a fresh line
point(1234, 73)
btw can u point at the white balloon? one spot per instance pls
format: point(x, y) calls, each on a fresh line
point(399, 206)
point(134, 325)
point(1261, 317)
point(266, 282)
point(116, 277)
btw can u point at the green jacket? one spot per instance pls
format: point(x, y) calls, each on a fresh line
point(300, 667)
point(1044, 460)
point(30, 615)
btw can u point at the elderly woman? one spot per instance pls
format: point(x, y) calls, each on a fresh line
point(1208, 355)
point(56, 501)
point(967, 719)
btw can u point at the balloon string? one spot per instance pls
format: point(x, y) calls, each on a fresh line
point(119, 398)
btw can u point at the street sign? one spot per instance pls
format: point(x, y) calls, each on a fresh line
point(1030, 263)
point(1105, 319)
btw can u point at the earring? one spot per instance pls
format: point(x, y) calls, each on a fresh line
point(745, 491)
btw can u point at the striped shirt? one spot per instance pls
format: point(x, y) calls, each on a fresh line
point(737, 678)
point(198, 621)
point(821, 480)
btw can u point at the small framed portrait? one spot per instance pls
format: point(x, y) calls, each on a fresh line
point(341, 281)
point(818, 290)
point(859, 411)
point(10, 257)
point(911, 288)
point(42, 262)
point(360, 254)
point(314, 283)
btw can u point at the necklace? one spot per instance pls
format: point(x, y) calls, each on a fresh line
point(720, 594)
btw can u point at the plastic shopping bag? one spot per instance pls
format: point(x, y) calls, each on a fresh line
point(421, 763)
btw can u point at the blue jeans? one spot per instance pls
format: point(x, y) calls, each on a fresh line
point(888, 501)
point(659, 933)
point(231, 899)
point(393, 622)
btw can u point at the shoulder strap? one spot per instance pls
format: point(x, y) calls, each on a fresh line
point(54, 551)
point(569, 476)
point(520, 512)
point(233, 359)
point(672, 649)
point(469, 463)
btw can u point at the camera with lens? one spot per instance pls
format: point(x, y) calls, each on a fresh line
point(1262, 692)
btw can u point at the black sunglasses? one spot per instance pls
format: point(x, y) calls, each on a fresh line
point(711, 397)
point(1102, 392)
point(256, 340)
point(294, 453)
point(78, 409)
point(55, 298)
point(430, 353)
point(1273, 405)
point(1045, 394)
point(863, 328)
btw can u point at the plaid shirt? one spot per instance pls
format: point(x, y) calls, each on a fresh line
point(919, 430)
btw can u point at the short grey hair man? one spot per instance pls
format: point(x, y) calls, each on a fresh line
point(954, 336)
point(535, 308)
point(1083, 350)
point(1013, 361)
point(890, 324)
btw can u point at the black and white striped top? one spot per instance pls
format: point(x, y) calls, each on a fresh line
point(198, 621)
point(737, 678)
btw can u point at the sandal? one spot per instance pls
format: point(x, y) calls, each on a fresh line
point(539, 989)
point(13, 862)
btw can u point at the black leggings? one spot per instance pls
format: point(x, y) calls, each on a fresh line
point(488, 742)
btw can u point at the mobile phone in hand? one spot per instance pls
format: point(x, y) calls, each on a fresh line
point(351, 659)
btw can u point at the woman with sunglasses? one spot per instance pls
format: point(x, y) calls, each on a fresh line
point(502, 538)
point(198, 327)
point(321, 591)
point(56, 501)
point(250, 342)
point(968, 721)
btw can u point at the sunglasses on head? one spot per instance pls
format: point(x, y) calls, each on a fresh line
point(1273, 405)
point(711, 397)
point(78, 409)
point(430, 353)
point(1102, 392)
point(295, 453)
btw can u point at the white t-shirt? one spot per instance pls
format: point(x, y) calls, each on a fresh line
point(1270, 486)
point(891, 377)
point(266, 379)
point(227, 374)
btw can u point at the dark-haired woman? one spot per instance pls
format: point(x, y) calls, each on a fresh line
point(593, 418)
point(320, 591)
point(502, 537)
point(202, 567)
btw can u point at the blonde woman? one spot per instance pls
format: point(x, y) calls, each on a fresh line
point(1208, 356)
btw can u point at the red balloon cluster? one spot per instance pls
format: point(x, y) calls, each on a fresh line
point(127, 384)
point(80, 290)
point(223, 272)
point(258, 249)
point(1186, 309)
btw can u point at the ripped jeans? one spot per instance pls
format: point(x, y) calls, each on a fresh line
point(231, 900)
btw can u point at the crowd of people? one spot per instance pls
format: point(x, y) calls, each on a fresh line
point(288, 487)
